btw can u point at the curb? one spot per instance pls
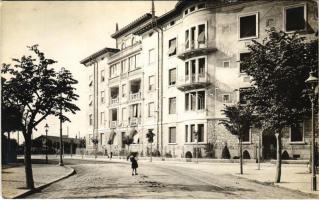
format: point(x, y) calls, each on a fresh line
point(274, 185)
point(37, 189)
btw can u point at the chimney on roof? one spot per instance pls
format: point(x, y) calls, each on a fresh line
point(153, 13)
point(116, 27)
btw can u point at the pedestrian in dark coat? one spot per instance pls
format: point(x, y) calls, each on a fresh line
point(134, 164)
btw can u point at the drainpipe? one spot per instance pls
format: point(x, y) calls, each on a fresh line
point(159, 89)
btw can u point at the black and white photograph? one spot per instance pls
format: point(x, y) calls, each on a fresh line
point(154, 99)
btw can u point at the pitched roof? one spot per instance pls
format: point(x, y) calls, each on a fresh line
point(97, 54)
point(131, 25)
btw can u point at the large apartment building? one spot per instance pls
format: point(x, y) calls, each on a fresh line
point(173, 75)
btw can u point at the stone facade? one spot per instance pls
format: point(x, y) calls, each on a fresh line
point(182, 69)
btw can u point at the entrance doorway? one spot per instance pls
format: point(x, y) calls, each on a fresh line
point(269, 145)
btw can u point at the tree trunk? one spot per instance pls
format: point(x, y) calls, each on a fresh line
point(27, 161)
point(241, 154)
point(278, 162)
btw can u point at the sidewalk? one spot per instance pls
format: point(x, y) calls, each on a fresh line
point(294, 176)
point(13, 178)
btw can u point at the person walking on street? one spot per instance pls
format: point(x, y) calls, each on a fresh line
point(134, 164)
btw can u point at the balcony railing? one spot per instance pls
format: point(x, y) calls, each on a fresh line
point(193, 81)
point(135, 121)
point(113, 124)
point(135, 96)
point(194, 48)
point(114, 100)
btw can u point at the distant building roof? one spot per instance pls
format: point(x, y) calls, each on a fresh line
point(97, 54)
point(57, 139)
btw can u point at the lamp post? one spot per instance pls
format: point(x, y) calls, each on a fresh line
point(61, 141)
point(313, 81)
point(46, 142)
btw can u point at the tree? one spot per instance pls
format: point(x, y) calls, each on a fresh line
point(279, 66)
point(34, 87)
point(239, 119)
point(150, 138)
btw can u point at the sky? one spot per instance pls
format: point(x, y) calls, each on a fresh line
point(67, 31)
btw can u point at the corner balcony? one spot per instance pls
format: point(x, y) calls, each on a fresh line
point(193, 49)
point(193, 81)
point(135, 121)
point(135, 96)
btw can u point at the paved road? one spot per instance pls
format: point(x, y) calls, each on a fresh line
point(114, 180)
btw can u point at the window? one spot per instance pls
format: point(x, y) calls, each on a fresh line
point(172, 47)
point(226, 98)
point(124, 66)
point(192, 133)
point(192, 37)
point(102, 115)
point(123, 139)
point(135, 111)
point(132, 63)
point(151, 109)
point(186, 12)
point(243, 92)
point(296, 132)
point(138, 60)
point(90, 80)
point(242, 57)
point(201, 66)
point(201, 100)
point(113, 70)
point(151, 83)
point(172, 105)
point(187, 39)
point(201, 6)
point(90, 100)
point(246, 135)
point(172, 135)
point(295, 18)
point(186, 69)
point(186, 133)
point(193, 100)
point(201, 34)
point(172, 76)
point(172, 23)
point(200, 132)
point(102, 96)
point(90, 119)
point(102, 76)
point(226, 64)
point(123, 90)
point(151, 56)
point(114, 114)
point(195, 97)
point(248, 26)
point(123, 46)
point(191, 9)
point(124, 114)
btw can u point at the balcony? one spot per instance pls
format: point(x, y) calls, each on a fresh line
point(193, 81)
point(115, 101)
point(135, 96)
point(125, 52)
point(113, 124)
point(193, 49)
point(135, 121)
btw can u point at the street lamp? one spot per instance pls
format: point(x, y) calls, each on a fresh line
point(61, 141)
point(46, 142)
point(313, 81)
